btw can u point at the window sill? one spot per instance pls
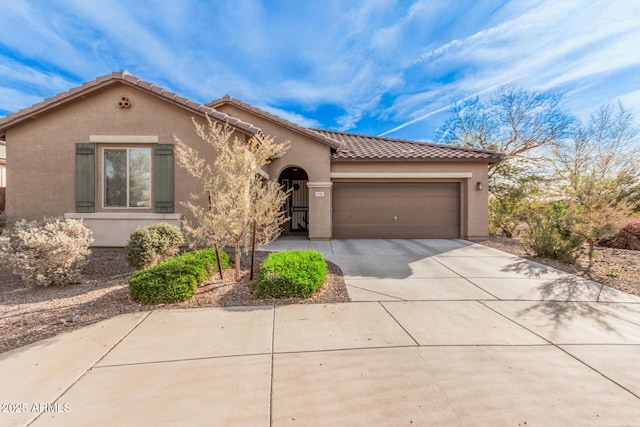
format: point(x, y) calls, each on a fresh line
point(124, 215)
point(113, 229)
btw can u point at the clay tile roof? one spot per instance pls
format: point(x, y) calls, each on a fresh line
point(312, 133)
point(366, 147)
point(126, 78)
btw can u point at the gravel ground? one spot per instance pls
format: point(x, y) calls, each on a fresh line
point(29, 314)
point(617, 268)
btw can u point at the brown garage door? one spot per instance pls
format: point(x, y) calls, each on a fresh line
point(396, 210)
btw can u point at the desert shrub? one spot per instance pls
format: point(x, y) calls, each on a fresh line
point(46, 252)
point(176, 278)
point(166, 282)
point(628, 237)
point(549, 235)
point(147, 245)
point(208, 256)
point(291, 274)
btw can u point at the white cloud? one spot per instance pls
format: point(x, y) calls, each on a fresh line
point(549, 46)
point(296, 118)
point(630, 101)
point(401, 63)
point(14, 100)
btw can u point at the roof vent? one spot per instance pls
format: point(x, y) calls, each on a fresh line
point(124, 102)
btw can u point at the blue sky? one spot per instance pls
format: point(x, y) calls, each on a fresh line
point(379, 67)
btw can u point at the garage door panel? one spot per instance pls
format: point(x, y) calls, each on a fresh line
point(427, 203)
point(369, 203)
point(396, 210)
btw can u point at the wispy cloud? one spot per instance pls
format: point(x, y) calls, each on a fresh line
point(553, 45)
point(392, 67)
point(296, 118)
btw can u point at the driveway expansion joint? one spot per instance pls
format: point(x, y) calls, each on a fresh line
point(83, 374)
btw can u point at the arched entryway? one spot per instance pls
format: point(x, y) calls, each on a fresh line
point(295, 179)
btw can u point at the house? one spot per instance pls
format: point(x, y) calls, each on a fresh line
point(3, 164)
point(104, 152)
point(3, 173)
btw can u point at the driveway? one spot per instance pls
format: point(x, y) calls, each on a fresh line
point(440, 332)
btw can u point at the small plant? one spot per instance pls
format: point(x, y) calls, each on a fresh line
point(549, 235)
point(47, 252)
point(175, 279)
point(291, 274)
point(148, 245)
point(611, 273)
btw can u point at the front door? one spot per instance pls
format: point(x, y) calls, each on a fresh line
point(295, 181)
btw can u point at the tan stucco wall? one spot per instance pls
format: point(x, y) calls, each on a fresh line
point(312, 156)
point(41, 172)
point(114, 229)
point(3, 165)
point(42, 150)
point(474, 217)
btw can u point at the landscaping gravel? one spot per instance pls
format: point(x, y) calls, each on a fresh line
point(617, 268)
point(29, 314)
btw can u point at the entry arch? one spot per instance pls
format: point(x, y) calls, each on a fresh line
point(294, 179)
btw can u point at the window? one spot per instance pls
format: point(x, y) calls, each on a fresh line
point(127, 177)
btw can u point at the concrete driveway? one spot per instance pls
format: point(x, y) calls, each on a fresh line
point(441, 332)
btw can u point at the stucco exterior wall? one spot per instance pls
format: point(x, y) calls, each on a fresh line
point(41, 170)
point(3, 165)
point(310, 155)
point(42, 150)
point(474, 203)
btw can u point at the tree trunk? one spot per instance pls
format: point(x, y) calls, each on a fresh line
point(237, 251)
point(219, 264)
point(253, 247)
point(591, 251)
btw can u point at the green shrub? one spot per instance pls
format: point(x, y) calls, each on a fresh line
point(208, 257)
point(163, 283)
point(147, 245)
point(549, 235)
point(47, 252)
point(291, 274)
point(175, 279)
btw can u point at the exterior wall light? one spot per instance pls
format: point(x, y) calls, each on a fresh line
point(478, 186)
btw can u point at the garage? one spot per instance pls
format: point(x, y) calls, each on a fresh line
point(416, 210)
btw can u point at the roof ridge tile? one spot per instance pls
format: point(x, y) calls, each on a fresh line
point(286, 123)
point(126, 77)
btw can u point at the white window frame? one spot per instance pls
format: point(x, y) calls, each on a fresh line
point(104, 178)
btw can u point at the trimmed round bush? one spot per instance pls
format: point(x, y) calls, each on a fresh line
point(175, 279)
point(287, 274)
point(167, 282)
point(149, 244)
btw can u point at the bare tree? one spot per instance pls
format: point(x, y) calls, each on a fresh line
point(598, 167)
point(523, 125)
point(236, 194)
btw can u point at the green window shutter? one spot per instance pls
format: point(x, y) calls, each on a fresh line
point(163, 177)
point(85, 177)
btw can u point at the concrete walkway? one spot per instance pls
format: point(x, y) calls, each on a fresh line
point(441, 332)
